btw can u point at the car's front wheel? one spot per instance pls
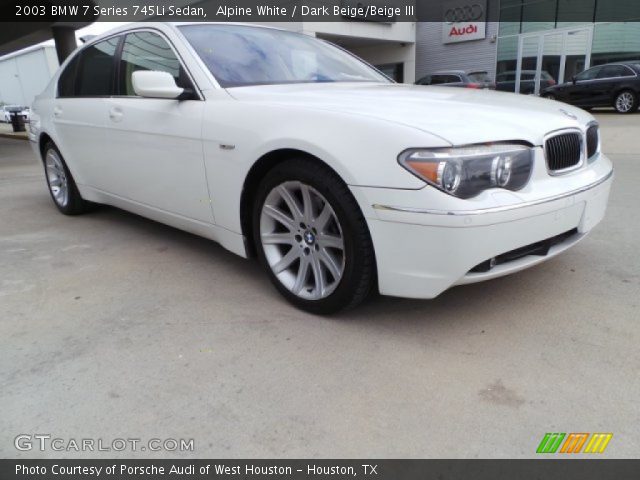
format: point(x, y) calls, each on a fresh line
point(312, 238)
point(626, 102)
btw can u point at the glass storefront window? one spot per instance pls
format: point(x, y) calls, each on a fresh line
point(522, 16)
point(538, 16)
point(571, 10)
point(507, 54)
point(507, 64)
point(617, 11)
point(510, 17)
point(615, 42)
point(572, 35)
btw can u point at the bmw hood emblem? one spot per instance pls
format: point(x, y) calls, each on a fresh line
point(569, 114)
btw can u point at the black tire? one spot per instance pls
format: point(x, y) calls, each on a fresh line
point(359, 267)
point(73, 204)
point(629, 104)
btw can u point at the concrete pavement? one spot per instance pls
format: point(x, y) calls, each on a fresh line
point(6, 131)
point(115, 326)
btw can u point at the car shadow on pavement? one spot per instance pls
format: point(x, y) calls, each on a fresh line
point(151, 239)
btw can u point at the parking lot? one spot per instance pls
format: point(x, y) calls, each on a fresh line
point(113, 326)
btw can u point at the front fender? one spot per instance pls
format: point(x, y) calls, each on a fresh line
point(362, 150)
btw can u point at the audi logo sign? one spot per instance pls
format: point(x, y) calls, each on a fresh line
point(464, 20)
point(466, 13)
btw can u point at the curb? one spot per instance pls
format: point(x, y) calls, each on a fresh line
point(14, 137)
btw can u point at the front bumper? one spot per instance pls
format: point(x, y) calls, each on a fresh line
point(422, 252)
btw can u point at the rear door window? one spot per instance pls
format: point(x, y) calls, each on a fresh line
point(67, 80)
point(96, 70)
point(614, 71)
point(439, 79)
point(444, 79)
point(479, 77)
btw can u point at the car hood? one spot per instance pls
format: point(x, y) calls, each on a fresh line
point(459, 116)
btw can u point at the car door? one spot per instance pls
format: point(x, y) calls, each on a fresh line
point(439, 79)
point(156, 144)
point(79, 110)
point(583, 90)
point(455, 81)
point(506, 82)
point(611, 80)
point(445, 80)
point(605, 84)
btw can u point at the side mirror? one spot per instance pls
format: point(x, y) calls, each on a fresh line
point(154, 84)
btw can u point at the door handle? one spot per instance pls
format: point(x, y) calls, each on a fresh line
point(57, 111)
point(115, 114)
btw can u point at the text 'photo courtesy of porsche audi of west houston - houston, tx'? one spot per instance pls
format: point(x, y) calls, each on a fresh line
point(282, 146)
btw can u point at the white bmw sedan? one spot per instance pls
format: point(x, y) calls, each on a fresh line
point(285, 147)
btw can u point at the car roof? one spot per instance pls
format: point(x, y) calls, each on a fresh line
point(634, 64)
point(448, 72)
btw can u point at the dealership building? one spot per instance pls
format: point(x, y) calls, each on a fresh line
point(521, 53)
point(516, 49)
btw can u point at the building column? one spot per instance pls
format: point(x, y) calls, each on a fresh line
point(65, 38)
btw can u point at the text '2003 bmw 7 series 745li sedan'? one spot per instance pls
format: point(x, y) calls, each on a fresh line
point(285, 147)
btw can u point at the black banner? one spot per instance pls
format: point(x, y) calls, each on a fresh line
point(382, 11)
point(543, 469)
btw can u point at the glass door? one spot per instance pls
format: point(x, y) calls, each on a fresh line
point(545, 59)
point(528, 64)
point(577, 53)
point(551, 63)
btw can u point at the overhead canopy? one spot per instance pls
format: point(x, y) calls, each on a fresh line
point(18, 35)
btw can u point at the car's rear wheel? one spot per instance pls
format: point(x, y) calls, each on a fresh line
point(312, 238)
point(62, 186)
point(626, 102)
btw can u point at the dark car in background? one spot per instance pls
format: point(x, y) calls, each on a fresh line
point(459, 78)
point(614, 85)
point(506, 81)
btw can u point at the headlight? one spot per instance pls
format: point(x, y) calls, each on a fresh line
point(466, 171)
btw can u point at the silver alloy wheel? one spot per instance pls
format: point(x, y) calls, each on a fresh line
point(624, 102)
point(302, 240)
point(57, 178)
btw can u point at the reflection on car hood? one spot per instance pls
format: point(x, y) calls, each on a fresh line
point(460, 116)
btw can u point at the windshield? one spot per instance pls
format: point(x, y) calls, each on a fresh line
point(243, 55)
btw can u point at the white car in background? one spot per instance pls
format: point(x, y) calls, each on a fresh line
point(5, 114)
point(283, 146)
point(6, 110)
